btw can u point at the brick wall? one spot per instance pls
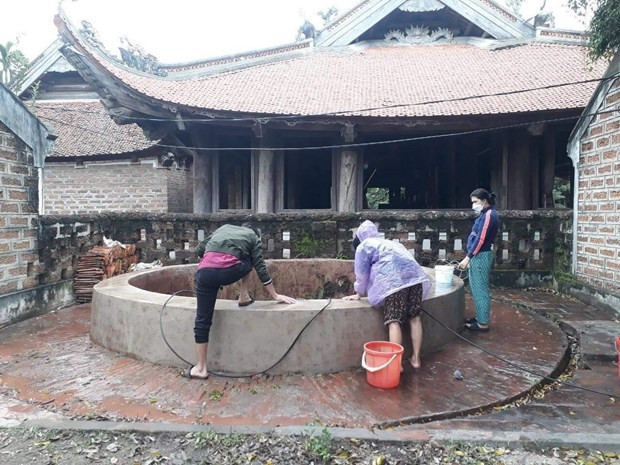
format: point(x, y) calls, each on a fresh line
point(598, 214)
point(19, 265)
point(180, 190)
point(525, 249)
point(99, 186)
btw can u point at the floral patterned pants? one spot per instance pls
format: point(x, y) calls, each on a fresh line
point(403, 305)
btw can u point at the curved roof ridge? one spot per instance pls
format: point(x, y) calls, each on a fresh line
point(103, 57)
point(236, 57)
point(212, 66)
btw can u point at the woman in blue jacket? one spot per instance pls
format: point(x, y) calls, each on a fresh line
point(480, 257)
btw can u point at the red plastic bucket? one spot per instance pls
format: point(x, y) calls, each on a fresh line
point(382, 361)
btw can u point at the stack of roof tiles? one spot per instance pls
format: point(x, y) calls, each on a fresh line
point(101, 263)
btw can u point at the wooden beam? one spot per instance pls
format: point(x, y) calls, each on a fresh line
point(181, 146)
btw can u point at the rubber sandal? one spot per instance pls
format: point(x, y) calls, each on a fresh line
point(188, 374)
point(245, 304)
point(476, 328)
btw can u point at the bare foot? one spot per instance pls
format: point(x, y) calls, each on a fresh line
point(415, 363)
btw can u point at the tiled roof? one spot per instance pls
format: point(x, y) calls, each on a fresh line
point(326, 80)
point(85, 129)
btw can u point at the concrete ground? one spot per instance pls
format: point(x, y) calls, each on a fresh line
point(52, 375)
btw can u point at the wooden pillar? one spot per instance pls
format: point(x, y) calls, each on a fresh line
point(504, 189)
point(265, 173)
point(548, 167)
point(497, 167)
point(348, 172)
point(348, 161)
point(452, 175)
point(519, 191)
point(536, 142)
point(535, 195)
point(203, 171)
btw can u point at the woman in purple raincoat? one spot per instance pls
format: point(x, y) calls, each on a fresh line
point(390, 276)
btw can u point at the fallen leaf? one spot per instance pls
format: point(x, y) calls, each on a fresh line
point(112, 447)
point(378, 460)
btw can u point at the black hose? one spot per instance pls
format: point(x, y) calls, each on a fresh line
point(499, 357)
point(231, 375)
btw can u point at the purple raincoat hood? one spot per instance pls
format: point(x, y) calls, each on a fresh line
point(367, 229)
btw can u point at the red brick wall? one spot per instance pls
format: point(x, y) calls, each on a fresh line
point(19, 179)
point(598, 220)
point(180, 190)
point(108, 186)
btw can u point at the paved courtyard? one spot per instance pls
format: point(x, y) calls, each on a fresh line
point(50, 370)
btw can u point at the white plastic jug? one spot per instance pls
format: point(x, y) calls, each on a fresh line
point(443, 274)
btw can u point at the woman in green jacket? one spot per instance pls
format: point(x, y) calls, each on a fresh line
point(227, 256)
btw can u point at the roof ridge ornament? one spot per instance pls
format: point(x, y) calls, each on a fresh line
point(91, 35)
point(418, 35)
point(419, 6)
point(136, 57)
point(132, 55)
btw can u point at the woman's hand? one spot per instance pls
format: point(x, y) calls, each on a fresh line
point(464, 263)
point(284, 299)
point(279, 297)
point(352, 297)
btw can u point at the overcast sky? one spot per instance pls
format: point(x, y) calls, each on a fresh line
point(183, 30)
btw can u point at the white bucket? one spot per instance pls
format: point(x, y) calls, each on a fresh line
point(443, 274)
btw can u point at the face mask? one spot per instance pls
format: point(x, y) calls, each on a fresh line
point(477, 208)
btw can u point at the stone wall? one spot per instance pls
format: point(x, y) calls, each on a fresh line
point(19, 266)
point(598, 220)
point(119, 186)
point(524, 251)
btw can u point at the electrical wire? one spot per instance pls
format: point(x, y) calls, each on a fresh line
point(266, 119)
point(350, 145)
point(517, 366)
point(231, 375)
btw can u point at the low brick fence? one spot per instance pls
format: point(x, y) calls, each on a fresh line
point(531, 245)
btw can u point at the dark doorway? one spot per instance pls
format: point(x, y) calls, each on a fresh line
point(308, 179)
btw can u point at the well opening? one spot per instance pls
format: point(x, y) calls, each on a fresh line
point(299, 278)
